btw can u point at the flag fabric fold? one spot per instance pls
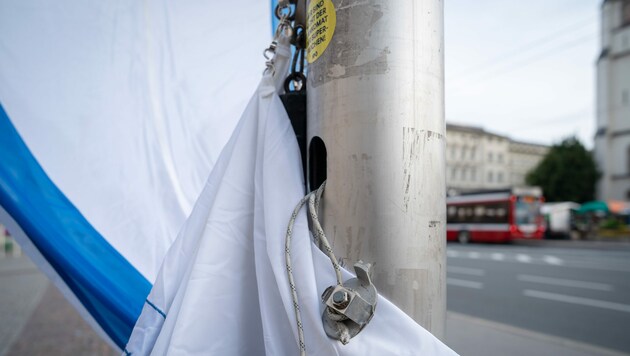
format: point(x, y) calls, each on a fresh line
point(223, 286)
point(112, 115)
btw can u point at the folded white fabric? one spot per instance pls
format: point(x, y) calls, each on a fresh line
point(223, 287)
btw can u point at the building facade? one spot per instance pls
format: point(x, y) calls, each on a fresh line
point(480, 160)
point(612, 139)
point(523, 158)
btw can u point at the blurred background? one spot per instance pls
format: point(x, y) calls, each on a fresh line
point(538, 159)
point(538, 180)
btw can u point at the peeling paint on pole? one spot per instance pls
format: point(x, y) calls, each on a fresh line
point(354, 58)
point(376, 99)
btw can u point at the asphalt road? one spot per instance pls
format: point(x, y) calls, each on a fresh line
point(495, 293)
point(578, 294)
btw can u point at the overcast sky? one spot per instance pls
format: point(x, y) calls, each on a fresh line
point(525, 69)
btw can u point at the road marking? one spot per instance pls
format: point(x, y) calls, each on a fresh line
point(451, 253)
point(464, 283)
point(594, 265)
point(466, 270)
point(565, 282)
point(577, 300)
point(473, 254)
point(553, 260)
point(497, 256)
point(523, 258)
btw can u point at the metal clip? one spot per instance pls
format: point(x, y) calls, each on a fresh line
point(284, 29)
point(351, 306)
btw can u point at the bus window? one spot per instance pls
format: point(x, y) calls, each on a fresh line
point(526, 210)
point(480, 212)
point(452, 213)
point(461, 214)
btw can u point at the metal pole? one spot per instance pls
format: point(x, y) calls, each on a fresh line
point(376, 101)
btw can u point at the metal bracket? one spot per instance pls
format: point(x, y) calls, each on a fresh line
point(349, 308)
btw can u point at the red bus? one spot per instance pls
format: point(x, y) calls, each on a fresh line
point(495, 216)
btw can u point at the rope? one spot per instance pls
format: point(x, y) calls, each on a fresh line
point(314, 199)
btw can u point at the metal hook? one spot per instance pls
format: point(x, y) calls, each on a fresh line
point(280, 10)
point(270, 51)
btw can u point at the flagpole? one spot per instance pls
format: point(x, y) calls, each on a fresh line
point(376, 133)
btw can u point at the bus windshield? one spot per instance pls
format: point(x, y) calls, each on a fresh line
point(526, 210)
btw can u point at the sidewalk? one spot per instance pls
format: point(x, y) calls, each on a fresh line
point(37, 320)
point(471, 336)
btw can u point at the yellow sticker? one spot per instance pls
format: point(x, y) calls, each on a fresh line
point(320, 27)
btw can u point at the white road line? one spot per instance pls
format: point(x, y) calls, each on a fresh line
point(565, 282)
point(599, 266)
point(553, 260)
point(473, 254)
point(497, 256)
point(577, 300)
point(451, 253)
point(523, 258)
point(466, 270)
point(464, 283)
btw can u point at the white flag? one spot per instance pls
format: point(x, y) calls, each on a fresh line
point(223, 287)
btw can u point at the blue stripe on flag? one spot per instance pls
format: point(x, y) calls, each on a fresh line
point(109, 287)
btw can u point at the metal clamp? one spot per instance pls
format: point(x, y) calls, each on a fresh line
point(349, 307)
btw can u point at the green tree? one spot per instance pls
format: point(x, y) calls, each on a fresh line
point(567, 173)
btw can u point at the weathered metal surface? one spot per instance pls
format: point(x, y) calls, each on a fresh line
point(376, 99)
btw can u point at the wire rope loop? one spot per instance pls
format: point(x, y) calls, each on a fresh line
point(287, 256)
point(314, 199)
point(314, 202)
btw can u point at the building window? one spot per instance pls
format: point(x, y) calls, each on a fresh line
point(625, 13)
point(500, 177)
point(628, 160)
point(490, 177)
point(473, 174)
point(490, 157)
point(500, 158)
point(472, 153)
point(454, 173)
point(624, 97)
point(464, 152)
